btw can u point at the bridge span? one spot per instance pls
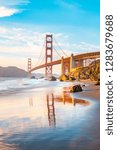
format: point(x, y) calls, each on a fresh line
point(76, 58)
point(67, 63)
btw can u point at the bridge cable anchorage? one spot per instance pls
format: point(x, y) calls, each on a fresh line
point(39, 61)
point(57, 52)
point(60, 47)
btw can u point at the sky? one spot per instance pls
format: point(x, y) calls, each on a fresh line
point(75, 25)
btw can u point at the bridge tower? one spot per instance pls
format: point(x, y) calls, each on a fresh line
point(49, 54)
point(29, 65)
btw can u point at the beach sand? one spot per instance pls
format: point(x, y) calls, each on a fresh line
point(51, 119)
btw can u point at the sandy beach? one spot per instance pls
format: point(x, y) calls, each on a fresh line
point(51, 118)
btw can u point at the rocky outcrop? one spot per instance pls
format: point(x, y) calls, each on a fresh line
point(91, 72)
point(71, 78)
point(63, 77)
point(76, 88)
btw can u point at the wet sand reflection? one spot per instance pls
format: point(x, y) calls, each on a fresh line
point(4, 146)
point(51, 110)
point(65, 97)
point(39, 117)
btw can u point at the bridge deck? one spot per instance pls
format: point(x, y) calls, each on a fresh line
point(90, 55)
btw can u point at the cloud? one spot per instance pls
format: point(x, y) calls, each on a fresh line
point(25, 40)
point(67, 4)
point(19, 43)
point(85, 47)
point(22, 43)
point(2, 30)
point(13, 2)
point(10, 8)
point(7, 11)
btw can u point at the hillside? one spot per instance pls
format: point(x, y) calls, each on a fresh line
point(91, 72)
point(12, 72)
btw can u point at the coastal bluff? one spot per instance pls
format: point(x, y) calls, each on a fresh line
point(12, 71)
point(91, 72)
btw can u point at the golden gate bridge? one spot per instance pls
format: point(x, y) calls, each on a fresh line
point(68, 63)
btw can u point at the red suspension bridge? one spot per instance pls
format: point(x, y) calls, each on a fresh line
point(68, 63)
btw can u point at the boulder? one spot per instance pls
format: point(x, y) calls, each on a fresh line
point(32, 77)
point(72, 78)
point(41, 77)
point(52, 78)
point(63, 77)
point(76, 88)
point(98, 82)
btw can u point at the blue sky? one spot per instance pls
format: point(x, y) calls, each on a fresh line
point(24, 23)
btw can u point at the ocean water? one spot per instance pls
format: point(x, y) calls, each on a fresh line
point(9, 85)
point(43, 115)
point(12, 84)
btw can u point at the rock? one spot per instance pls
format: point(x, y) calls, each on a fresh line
point(32, 77)
point(76, 88)
point(98, 82)
point(91, 72)
point(63, 77)
point(71, 78)
point(52, 78)
point(41, 77)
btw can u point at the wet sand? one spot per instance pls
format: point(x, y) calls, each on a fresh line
point(51, 119)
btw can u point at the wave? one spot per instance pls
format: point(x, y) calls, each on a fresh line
point(17, 84)
point(10, 84)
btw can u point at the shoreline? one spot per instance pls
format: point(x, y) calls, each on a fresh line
point(86, 85)
point(26, 114)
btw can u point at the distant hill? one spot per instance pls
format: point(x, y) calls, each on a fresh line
point(12, 72)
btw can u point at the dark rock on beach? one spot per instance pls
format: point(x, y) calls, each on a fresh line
point(76, 88)
point(52, 78)
point(32, 77)
point(98, 82)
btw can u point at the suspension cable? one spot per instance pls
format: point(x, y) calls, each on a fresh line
point(60, 47)
point(40, 60)
point(57, 52)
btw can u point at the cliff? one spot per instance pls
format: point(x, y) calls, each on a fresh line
point(91, 72)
